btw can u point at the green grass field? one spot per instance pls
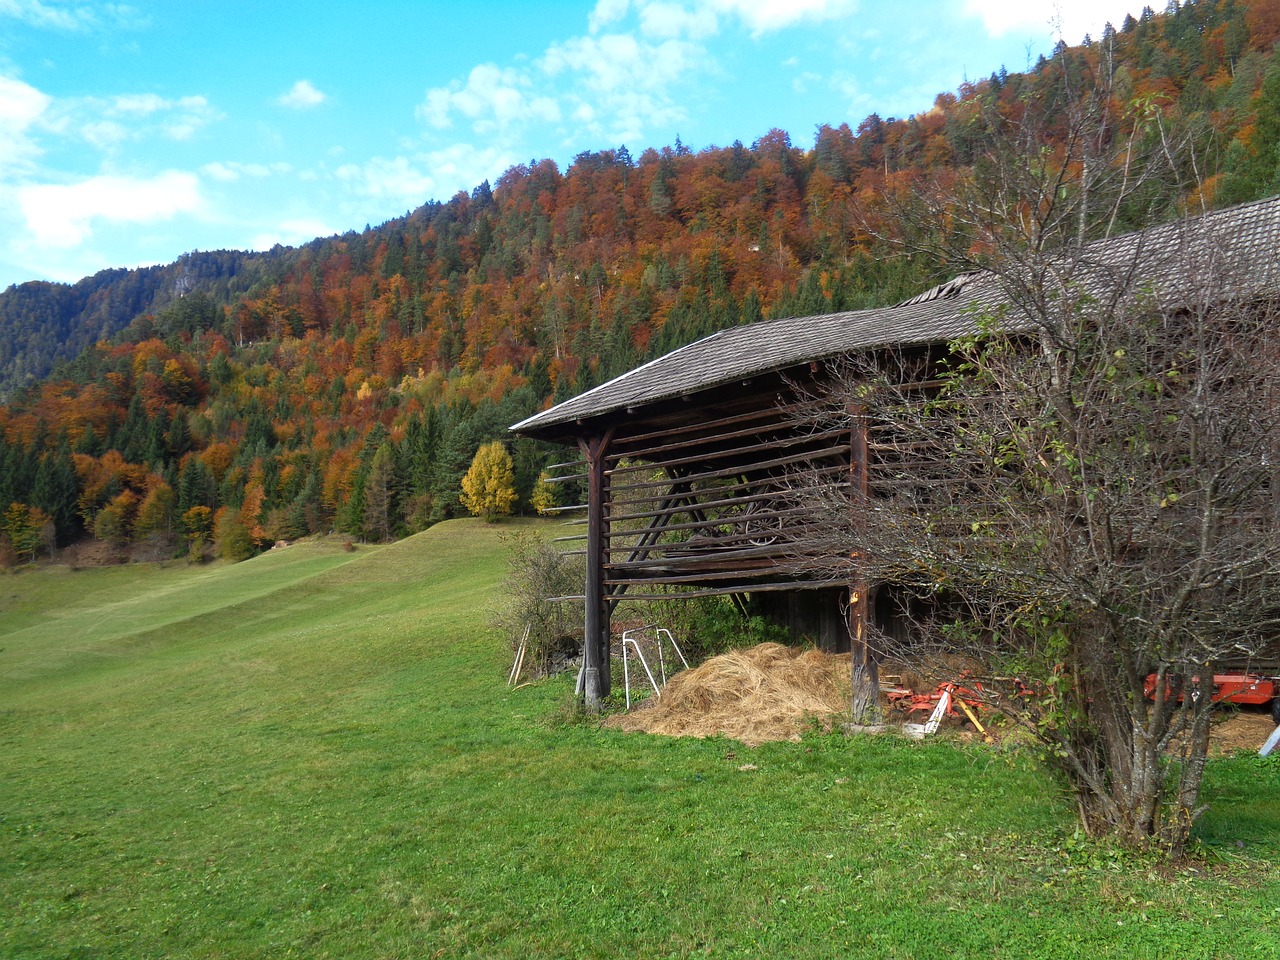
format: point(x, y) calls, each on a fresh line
point(315, 754)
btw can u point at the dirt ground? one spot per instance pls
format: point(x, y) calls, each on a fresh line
point(1245, 729)
point(774, 692)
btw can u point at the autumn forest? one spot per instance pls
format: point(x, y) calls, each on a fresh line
point(230, 400)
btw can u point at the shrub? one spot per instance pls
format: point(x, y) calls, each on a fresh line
point(709, 626)
point(537, 576)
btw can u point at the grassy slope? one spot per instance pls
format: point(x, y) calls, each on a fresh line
point(314, 754)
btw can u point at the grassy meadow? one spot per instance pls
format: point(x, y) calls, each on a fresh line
point(315, 754)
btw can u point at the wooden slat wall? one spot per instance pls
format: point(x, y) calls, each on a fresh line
point(701, 506)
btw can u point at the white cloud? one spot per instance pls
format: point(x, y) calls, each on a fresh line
point(231, 170)
point(859, 101)
point(606, 12)
point(62, 215)
point(802, 83)
point(107, 122)
point(39, 14)
point(21, 106)
point(630, 74)
point(495, 100)
point(633, 72)
point(461, 166)
point(1068, 20)
point(293, 232)
point(765, 16)
point(397, 181)
point(664, 20)
point(403, 183)
point(697, 20)
point(436, 107)
point(631, 85)
point(301, 96)
point(105, 134)
point(80, 16)
point(139, 104)
point(382, 187)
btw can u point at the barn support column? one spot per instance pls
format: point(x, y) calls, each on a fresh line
point(866, 671)
point(596, 682)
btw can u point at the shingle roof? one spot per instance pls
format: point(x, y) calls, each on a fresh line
point(1247, 237)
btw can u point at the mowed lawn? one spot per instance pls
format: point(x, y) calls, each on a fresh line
point(315, 754)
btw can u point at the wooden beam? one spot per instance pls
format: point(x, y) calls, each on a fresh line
point(743, 575)
point(738, 468)
point(702, 425)
point(785, 431)
point(865, 670)
point(708, 505)
point(595, 640)
point(736, 588)
point(751, 556)
point(740, 533)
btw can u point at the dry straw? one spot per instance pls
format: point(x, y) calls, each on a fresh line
point(767, 692)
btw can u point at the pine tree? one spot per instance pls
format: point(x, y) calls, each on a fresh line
point(379, 495)
point(352, 517)
point(196, 486)
point(179, 436)
point(56, 491)
point(457, 448)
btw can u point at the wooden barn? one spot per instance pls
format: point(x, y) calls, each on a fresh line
point(684, 458)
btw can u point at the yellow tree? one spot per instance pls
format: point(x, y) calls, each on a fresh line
point(489, 488)
point(25, 529)
point(545, 498)
point(198, 524)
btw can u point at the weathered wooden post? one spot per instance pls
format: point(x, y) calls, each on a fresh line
point(595, 640)
point(866, 672)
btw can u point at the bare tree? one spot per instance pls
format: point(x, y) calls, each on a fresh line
point(1083, 494)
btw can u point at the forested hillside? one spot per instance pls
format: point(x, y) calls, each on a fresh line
point(246, 398)
point(43, 324)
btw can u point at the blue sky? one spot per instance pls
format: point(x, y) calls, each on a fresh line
point(131, 133)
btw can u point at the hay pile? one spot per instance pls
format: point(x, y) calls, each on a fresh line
point(769, 692)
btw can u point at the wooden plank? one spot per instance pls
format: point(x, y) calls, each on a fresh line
point(712, 524)
point(709, 558)
point(569, 509)
point(710, 427)
point(827, 471)
point(702, 453)
point(746, 581)
point(701, 505)
point(725, 591)
point(737, 468)
point(785, 431)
